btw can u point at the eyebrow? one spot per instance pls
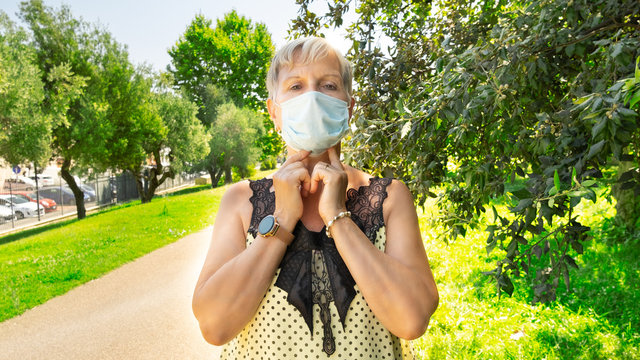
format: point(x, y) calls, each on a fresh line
point(296, 77)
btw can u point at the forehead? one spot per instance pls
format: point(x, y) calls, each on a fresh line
point(323, 67)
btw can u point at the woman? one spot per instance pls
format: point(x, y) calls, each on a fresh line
point(323, 259)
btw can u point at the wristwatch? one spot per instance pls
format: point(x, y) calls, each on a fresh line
point(269, 227)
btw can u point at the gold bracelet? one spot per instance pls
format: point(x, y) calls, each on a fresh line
point(339, 216)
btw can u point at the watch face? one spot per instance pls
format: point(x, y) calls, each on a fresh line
point(266, 224)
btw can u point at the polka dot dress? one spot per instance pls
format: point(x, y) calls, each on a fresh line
point(278, 330)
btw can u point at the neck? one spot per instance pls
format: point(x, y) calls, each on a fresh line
point(311, 161)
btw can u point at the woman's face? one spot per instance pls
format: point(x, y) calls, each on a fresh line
point(322, 76)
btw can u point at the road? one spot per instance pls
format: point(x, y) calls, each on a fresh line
point(140, 311)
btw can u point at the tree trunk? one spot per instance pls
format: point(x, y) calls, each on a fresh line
point(627, 204)
point(153, 181)
point(215, 175)
point(140, 186)
point(228, 178)
point(77, 193)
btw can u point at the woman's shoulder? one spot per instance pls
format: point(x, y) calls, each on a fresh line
point(359, 178)
point(237, 200)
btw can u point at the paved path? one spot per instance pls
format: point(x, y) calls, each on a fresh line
point(139, 311)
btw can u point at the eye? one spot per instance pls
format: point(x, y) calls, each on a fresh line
point(330, 86)
point(295, 87)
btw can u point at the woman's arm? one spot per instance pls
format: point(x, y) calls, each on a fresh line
point(234, 278)
point(398, 284)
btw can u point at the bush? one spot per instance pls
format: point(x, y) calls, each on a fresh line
point(269, 163)
point(243, 173)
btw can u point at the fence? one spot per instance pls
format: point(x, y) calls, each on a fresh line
point(23, 204)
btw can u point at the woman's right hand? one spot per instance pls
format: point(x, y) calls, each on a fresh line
point(290, 182)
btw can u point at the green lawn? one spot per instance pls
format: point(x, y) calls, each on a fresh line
point(598, 319)
point(39, 264)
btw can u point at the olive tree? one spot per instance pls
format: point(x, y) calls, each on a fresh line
point(530, 100)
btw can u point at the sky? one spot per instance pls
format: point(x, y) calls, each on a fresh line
point(150, 27)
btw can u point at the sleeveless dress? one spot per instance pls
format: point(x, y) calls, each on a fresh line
point(313, 309)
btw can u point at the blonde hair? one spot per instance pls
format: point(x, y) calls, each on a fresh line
point(307, 50)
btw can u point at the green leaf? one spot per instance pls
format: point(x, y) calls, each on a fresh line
point(511, 248)
point(634, 99)
point(523, 204)
point(522, 193)
point(595, 149)
point(626, 176)
point(569, 260)
point(505, 284)
point(597, 129)
point(556, 179)
point(588, 183)
point(617, 49)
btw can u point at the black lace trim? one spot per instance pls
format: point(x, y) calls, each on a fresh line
point(331, 280)
point(263, 201)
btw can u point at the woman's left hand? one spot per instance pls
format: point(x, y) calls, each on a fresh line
point(334, 186)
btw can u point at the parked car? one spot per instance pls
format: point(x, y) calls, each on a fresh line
point(88, 190)
point(61, 195)
point(48, 204)
point(44, 180)
point(6, 214)
point(19, 183)
point(23, 208)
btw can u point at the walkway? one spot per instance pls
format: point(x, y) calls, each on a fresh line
point(139, 311)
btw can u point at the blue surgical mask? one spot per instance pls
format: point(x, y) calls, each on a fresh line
point(314, 121)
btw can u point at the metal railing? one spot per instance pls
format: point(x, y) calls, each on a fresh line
point(22, 204)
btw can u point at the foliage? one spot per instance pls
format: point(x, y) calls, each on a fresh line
point(489, 98)
point(232, 139)
point(269, 163)
point(182, 142)
point(25, 121)
point(234, 56)
point(94, 127)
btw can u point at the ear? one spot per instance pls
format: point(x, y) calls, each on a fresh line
point(353, 102)
point(271, 108)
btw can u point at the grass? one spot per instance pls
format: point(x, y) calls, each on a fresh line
point(39, 264)
point(599, 319)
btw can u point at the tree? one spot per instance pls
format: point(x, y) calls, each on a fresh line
point(232, 141)
point(174, 141)
point(96, 125)
point(522, 99)
point(25, 123)
point(233, 56)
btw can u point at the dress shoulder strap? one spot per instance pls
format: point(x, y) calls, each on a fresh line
point(263, 201)
point(365, 205)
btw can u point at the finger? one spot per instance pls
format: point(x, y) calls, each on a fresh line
point(304, 179)
point(318, 175)
point(334, 158)
point(301, 155)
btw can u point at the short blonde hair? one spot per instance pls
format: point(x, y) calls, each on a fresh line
point(307, 50)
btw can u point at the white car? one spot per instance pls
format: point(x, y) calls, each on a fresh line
point(19, 183)
point(23, 208)
point(44, 180)
point(6, 214)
